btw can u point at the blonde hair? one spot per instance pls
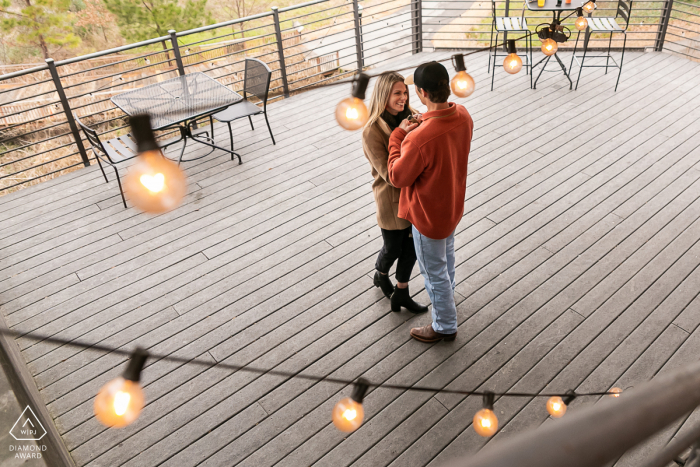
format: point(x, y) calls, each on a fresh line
point(380, 95)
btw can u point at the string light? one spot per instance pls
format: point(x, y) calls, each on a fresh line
point(556, 405)
point(589, 7)
point(154, 184)
point(485, 421)
point(549, 46)
point(120, 401)
point(513, 63)
point(351, 113)
point(462, 84)
point(348, 413)
point(581, 22)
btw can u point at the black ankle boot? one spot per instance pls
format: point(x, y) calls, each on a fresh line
point(402, 298)
point(382, 281)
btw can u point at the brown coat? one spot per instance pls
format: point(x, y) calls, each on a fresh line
point(375, 143)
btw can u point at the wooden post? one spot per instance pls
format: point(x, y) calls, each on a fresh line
point(417, 26)
point(358, 35)
point(663, 27)
point(176, 51)
point(67, 110)
point(280, 50)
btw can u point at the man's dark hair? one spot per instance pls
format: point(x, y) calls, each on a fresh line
point(440, 95)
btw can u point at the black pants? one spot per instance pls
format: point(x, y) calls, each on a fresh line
point(398, 244)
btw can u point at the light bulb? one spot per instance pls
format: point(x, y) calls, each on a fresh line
point(556, 407)
point(462, 84)
point(615, 392)
point(581, 23)
point(549, 47)
point(589, 7)
point(155, 184)
point(348, 415)
point(119, 403)
point(512, 64)
point(351, 113)
point(485, 423)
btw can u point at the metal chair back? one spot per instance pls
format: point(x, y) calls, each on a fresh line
point(624, 10)
point(256, 80)
point(97, 147)
point(522, 13)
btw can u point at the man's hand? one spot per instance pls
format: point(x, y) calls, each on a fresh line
point(408, 126)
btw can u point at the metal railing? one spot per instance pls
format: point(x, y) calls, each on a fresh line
point(601, 434)
point(304, 44)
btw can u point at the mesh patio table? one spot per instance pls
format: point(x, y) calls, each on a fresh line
point(179, 102)
point(556, 7)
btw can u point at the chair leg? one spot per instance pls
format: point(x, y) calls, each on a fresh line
point(121, 191)
point(230, 133)
point(269, 129)
point(494, 62)
point(251, 123)
point(622, 59)
point(211, 124)
point(607, 58)
point(532, 70)
point(491, 45)
point(103, 170)
point(573, 56)
point(583, 59)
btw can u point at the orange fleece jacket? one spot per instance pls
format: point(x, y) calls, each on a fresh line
point(429, 164)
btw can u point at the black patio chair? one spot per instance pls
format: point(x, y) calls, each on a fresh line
point(111, 152)
point(256, 82)
point(506, 24)
point(116, 150)
point(604, 25)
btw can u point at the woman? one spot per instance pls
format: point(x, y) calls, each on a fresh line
point(387, 109)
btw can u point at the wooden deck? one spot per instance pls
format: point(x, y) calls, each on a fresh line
point(577, 269)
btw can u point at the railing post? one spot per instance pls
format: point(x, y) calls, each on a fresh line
point(358, 35)
point(67, 111)
point(417, 26)
point(661, 34)
point(280, 50)
point(176, 51)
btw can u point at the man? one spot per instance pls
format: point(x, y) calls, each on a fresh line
point(428, 161)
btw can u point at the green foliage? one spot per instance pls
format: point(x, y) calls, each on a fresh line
point(139, 20)
point(41, 23)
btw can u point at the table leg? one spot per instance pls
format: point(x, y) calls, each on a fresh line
point(561, 64)
point(218, 147)
point(534, 86)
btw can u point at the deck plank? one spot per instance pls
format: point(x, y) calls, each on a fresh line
point(576, 260)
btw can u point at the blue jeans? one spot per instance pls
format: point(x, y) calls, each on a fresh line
point(436, 259)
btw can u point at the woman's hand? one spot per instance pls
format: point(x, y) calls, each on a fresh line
point(408, 126)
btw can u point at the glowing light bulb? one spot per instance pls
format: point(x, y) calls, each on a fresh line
point(155, 184)
point(615, 392)
point(351, 113)
point(581, 23)
point(462, 84)
point(513, 63)
point(556, 407)
point(589, 7)
point(485, 423)
point(549, 47)
point(119, 403)
point(348, 413)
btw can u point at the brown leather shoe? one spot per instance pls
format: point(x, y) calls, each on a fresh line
point(428, 334)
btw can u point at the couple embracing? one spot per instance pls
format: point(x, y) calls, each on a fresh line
point(419, 165)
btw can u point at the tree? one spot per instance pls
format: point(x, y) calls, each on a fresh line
point(139, 20)
point(46, 24)
point(243, 8)
point(95, 15)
